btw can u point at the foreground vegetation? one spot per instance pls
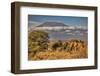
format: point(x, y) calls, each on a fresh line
point(40, 48)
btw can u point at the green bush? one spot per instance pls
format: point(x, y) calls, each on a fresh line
point(57, 45)
point(37, 41)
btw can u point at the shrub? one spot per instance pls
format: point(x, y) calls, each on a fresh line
point(56, 45)
point(37, 41)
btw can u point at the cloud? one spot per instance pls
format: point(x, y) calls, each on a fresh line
point(68, 30)
point(32, 24)
point(71, 33)
point(77, 31)
point(81, 27)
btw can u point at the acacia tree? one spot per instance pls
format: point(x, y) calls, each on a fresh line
point(37, 41)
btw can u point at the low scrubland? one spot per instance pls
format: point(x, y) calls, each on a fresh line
point(41, 48)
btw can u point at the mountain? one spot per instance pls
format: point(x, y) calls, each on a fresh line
point(52, 24)
point(58, 26)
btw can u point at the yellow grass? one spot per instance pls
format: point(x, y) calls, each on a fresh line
point(50, 55)
point(78, 50)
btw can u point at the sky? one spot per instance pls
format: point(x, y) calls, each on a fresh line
point(35, 20)
point(68, 20)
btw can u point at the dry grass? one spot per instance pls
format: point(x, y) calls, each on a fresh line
point(74, 49)
point(50, 55)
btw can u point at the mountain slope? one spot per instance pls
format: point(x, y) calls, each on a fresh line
point(52, 24)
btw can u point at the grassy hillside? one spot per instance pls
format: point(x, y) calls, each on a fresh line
point(40, 48)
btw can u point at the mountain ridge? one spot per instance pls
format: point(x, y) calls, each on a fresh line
point(53, 24)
